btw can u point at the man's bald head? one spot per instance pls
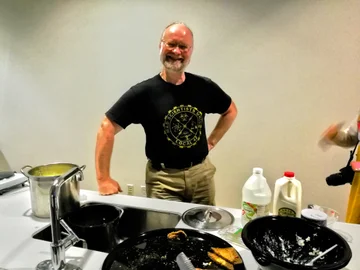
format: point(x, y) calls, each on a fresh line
point(181, 25)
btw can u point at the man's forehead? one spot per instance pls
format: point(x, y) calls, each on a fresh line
point(177, 30)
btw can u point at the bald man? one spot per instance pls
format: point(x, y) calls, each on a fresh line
point(171, 107)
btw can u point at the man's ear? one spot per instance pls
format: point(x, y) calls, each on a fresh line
point(160, 48)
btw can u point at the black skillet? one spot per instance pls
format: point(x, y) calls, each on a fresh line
point(153, 250)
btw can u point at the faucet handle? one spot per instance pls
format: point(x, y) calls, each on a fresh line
point(84, 243)
point(71, 236)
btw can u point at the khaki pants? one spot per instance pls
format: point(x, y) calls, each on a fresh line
point(194, 185)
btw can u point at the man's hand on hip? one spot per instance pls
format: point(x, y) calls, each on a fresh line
point(109, 186)
point(210, 146)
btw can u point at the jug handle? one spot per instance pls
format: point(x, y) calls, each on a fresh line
point(23, 172)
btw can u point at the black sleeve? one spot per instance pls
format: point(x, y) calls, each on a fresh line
point(218, 101)
point(126, 110)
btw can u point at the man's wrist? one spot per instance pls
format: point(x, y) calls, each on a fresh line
point(211, 144)
point(102, 178)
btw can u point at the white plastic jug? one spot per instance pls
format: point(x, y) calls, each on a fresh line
point(256, 197)
point(287, 196)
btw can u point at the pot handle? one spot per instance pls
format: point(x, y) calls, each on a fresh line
point(23, 172)
point(79, 176)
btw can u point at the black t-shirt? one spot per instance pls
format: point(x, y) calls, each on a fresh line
point(173, 116)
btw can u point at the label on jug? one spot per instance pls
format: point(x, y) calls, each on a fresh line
point(286, 212)
point(251, 210)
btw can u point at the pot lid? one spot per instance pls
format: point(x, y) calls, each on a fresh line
point(207, 218)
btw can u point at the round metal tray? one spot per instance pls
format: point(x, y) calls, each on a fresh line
point(207, 218)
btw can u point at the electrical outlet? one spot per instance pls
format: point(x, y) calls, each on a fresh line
point(143, 191)
point(130, 189)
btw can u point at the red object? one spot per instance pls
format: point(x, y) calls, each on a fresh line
point(355, 165)
point(289, 174)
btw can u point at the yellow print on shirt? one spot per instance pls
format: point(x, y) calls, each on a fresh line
point(183, 125)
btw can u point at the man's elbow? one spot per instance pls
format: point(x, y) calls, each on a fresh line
point(108, 129)
point(231, 111)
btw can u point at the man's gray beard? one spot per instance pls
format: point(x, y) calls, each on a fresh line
point(177, 67)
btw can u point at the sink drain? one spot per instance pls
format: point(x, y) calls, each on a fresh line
point(47, 265)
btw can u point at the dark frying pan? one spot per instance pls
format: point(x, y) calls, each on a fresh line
point(153, 250)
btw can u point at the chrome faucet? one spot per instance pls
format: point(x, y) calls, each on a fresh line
point(59, 245)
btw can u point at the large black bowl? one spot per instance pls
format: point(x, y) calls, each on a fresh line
point(276, 244)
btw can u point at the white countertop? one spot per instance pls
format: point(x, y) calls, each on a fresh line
point(19, 251)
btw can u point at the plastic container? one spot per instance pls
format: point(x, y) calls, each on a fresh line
point(314, 215)
point(232, 234)
point(256, 197)
point(332, 214)
point(287, 196)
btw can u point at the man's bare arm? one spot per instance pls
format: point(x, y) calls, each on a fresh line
point(224, 123)
point(104, 147)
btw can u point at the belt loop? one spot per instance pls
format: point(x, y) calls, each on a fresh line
point(162, 165)
point(191, 164)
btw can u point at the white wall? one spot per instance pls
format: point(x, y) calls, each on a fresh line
point(292, 67)
point(5, 40)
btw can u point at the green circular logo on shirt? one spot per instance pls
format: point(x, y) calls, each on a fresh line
point(182, 126)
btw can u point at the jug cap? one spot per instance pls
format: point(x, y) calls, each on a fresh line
point(289, 174)
point(257, 170)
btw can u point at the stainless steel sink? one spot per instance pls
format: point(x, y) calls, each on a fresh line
point(133, 222)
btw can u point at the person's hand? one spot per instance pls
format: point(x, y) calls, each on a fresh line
point(210, 146)
point(109, 187)
point(329, 134)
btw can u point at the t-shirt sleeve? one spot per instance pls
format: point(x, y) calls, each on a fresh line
point(126, 109)
point(218, 101)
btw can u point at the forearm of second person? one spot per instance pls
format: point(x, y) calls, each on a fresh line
point(345, 139)
point(223, 125)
